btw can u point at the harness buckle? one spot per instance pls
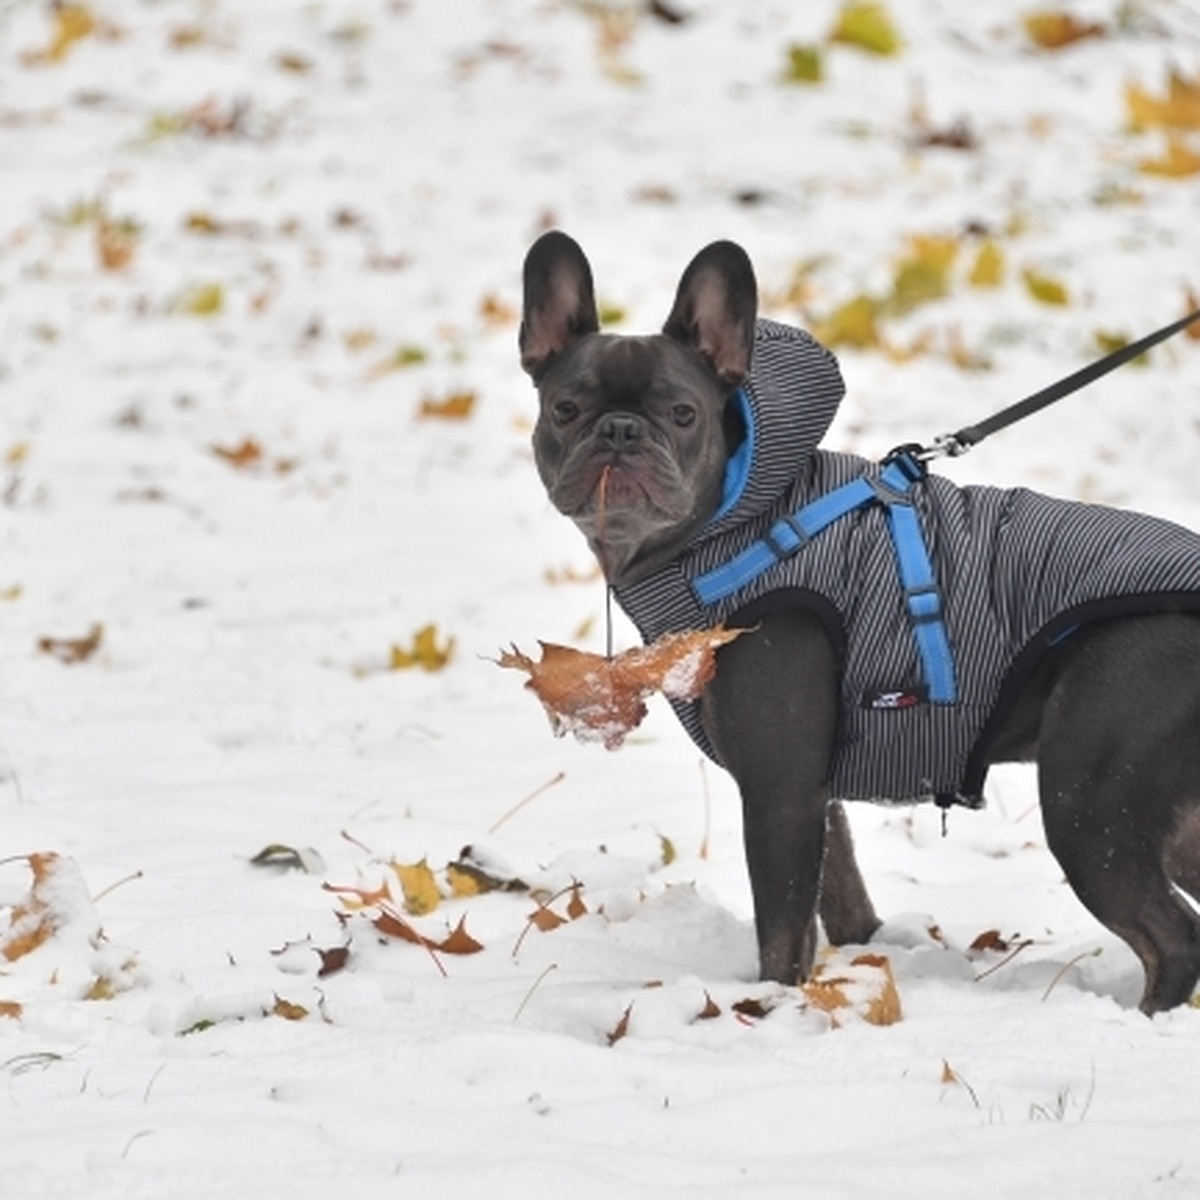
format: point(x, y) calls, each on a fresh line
point(924, 604)
point(911, 459)
point(777, 548)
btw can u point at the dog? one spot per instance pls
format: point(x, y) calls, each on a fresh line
point(688, 460)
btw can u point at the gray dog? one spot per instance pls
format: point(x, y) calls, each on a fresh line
point(907, 632)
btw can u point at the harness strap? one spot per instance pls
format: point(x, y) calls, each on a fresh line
point(922, 600)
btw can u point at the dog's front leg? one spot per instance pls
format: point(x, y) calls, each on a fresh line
point(771, 713)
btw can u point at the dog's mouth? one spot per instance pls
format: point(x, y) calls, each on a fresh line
point(613, 489)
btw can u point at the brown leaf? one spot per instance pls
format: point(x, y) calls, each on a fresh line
point(602, 699)
point(866, 987)
point(989, 939)
point(289, 1011)
point(1052, 30)
point(575, 906)
point(545, 919)
point(247, 453)
point(621, 1028)
point(459, 941)
point(332, 960)
point(10, 1009)
point(710, 1010)
point(73, 650)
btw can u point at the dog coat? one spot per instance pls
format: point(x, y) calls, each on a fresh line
point(1016, 571)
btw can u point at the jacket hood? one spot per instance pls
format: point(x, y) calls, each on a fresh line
point(786, 406)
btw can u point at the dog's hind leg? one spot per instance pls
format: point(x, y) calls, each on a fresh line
point(1119, 775)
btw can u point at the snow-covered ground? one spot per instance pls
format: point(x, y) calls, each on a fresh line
point(218, 452)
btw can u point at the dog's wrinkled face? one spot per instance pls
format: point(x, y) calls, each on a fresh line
point(632, 440)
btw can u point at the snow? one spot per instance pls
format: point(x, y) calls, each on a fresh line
point(389, 167)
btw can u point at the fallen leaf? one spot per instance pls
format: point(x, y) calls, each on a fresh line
point(989, 939)
point(202, 300)
point(10, 1009)
point(1178, 109)
point(865, 987)
point(1045, 288)
point(923, 274)
point(459, 941)
point(987, 271)
point(289, 1011)
point(116, 242)
point(401, 359)
point(1178, 161)
point(853, 324)
point(545, 919)
point(621, 1028)
point(424, 651)
point(1052, 30)
point(752, 1008)
point(602, 699)
point(496, 312)
point(1192, 332)
point(246, 453)
point(35, 920)
point(73, 650)
point(421, 893)
point(576, 908)
point(72, 23)
point(868, 26)
point(285, 857)
point(332, 960)
point(710, 1010)
point(804, 64)
point(455, 407)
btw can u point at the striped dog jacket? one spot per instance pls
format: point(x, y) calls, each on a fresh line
point(1016, 572)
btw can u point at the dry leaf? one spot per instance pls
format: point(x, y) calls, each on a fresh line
point(545, 919)
point(332, 960)
point(989, 939)
point(865, 987)
point(1178, 109)
point(1052, 30)
point(1178, 161)
point(73, 650)
point(289, 1011)
point(923, 274)
point(601, 699)
point(1193, 305)
point(35, 920)
point(853, 324)
point(421, 893)
point(804, 64)
point(245, 454)
point(115, 243)
point(868, 26)
point(988, 268)
point(459, 941)
point(710, 1010)
point(576, 908)
point(457, 406)
point(10, 1009)
point(621, 1028)
point(424, 651)
point(1045, 289)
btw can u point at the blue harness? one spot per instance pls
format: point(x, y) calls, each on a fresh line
point(790, 534)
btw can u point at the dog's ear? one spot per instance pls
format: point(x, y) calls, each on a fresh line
point(715, 308)
point(560, 303)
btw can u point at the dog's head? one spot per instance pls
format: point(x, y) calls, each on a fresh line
point(633, 433)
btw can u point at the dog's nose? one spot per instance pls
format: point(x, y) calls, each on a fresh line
point(620, 430)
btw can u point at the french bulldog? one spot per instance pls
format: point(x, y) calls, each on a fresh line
point(633, 441)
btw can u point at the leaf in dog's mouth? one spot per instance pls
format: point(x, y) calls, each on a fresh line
point(602, 699)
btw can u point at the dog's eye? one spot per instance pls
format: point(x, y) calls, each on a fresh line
point(565, 411)
point(683, 415)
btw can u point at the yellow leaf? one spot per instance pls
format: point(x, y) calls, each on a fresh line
point(1108, 342)
point(421, 894)
point(852, 324)
point(988, 268)
point(202, 300)
point(424, 652)
point(667, 848)
point(867, 25)
point(923, 274)
point(1052, 30)
point(403, 358)
point(610, 313)
point(1177, 162)
point(1178, 109)
point(1045, 289)
point(804, 64)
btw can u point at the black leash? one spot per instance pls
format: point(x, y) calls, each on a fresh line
point(954, 444)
